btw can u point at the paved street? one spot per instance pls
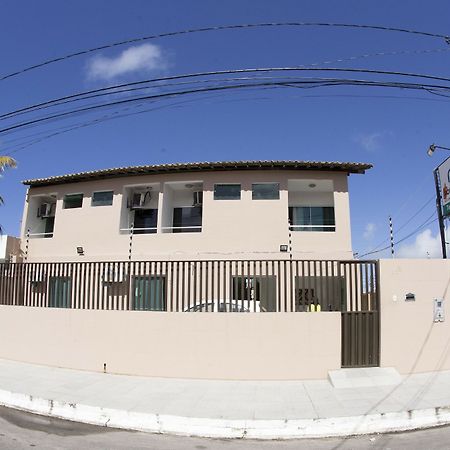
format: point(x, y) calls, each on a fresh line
point(20, 430)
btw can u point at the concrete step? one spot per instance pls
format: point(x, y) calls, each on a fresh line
point(364, 377)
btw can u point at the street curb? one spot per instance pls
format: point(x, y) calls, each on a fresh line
point(229, 428)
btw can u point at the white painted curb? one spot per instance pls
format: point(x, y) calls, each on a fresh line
point(222, 428)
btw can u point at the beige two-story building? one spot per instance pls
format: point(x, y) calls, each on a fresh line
point(220, 210)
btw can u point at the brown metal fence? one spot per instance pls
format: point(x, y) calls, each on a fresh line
point(175, 286)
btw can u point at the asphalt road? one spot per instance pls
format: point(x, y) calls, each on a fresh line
point(20, 430)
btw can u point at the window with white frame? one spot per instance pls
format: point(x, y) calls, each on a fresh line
point(312, 218)
point(73, 201)
point(102, 198)
point(265, 191)
point(227, 192)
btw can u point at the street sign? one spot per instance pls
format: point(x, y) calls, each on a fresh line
point(444, 178)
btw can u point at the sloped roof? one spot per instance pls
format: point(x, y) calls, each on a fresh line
point(349, 167)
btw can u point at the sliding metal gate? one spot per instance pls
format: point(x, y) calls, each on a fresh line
point(360, 315)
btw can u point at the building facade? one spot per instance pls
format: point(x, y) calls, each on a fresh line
point(9, 249)
point(226, 210)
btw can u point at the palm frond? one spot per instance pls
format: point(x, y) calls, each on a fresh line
point(7, 161)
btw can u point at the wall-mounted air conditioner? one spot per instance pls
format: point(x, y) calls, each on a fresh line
point(46, 210)
point(198, 198)
point(139, 200)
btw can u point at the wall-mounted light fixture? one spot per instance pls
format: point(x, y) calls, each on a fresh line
point(80, 251)
point(283, 248)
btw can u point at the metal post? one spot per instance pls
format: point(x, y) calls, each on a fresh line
point(27, 243)
point(439, 212)
point(130, 248)
point(290, 238)
point(391, 231)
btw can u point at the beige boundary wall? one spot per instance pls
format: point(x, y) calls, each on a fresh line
point(410, 340)
point(265, 346)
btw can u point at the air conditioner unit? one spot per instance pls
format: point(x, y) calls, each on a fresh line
point(140, 200)
point(113, 275)
point(198, 198)
point(46, 210)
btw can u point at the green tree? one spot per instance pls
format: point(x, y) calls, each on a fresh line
point(5, 161)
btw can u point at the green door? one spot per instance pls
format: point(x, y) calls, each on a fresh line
point(149, 293)
point(60, 292)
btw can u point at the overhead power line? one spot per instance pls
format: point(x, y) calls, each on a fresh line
point(267, 84)
point(444, 37)
point(260, 85)
point(23, 142)
point(407, 222)
point(127, 87)
point(416, 230)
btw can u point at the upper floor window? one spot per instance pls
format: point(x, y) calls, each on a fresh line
point(145, 221)
point(312, 218)
point(227, 192)
point(187, 220)
point(73, 201)
point(104, 198)
point(265, 191)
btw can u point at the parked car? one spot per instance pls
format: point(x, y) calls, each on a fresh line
point(223, 306)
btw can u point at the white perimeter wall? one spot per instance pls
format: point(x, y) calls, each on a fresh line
point(239, 346)
point(410, 340)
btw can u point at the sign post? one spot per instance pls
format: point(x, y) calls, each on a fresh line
point(442, 182)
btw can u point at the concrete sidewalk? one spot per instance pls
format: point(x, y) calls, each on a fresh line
point(253, 409)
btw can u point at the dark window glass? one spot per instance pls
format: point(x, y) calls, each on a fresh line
point(315, 218)
point(184, 218)
point(60, 292)
point(149, 293)
point(265, 191)
point(145, 221)
point(73, 201)
point(49, 226)
point(227, 192)
point(102, 198)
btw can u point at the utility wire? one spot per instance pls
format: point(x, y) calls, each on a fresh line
point(420, 227)
point(305, 84)
point(408, 221)
point(416, 214)
point(104, 118)
point(446, 38)
point(48, 134)
point(302, 66)
point(111, 89)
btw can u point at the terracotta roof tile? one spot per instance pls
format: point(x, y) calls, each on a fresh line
point(349, 167)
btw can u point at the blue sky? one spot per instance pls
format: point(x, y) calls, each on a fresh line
point(389, 128)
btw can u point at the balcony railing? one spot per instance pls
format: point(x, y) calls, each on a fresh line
point(312, 227)
point(40, 235)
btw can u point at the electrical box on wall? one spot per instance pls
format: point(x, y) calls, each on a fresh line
point(438, 310)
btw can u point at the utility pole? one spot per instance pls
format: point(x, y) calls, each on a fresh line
point(439, 212)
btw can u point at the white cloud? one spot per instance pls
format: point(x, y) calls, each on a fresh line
point(370, 141)
point(425, 246)
point(369, 231)
point(140, 58)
